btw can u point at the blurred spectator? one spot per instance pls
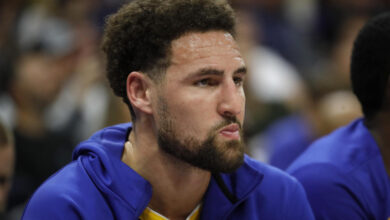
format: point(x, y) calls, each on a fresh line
point(85, 103)
point(275, 92)
point(353, 162)
point(332, 73)
point(330, 105)
point(331, 13)
point(279, 135)
point(9, 16)
point(45, 62)
point(274, 88)
point(285, 139)
point(278, 32)
point(7, 154)
point(57, 94)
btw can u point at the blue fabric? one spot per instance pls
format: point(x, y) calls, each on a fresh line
point(344, 175)
point(286, 139)
point(98, 185)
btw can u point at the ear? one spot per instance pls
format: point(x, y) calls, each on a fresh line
point(138, 88)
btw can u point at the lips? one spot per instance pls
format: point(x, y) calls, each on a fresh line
point(231, 131)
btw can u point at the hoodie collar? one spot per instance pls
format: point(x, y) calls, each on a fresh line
point(240, 184)
point(128, 193)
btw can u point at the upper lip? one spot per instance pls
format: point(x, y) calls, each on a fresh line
point(231, 128)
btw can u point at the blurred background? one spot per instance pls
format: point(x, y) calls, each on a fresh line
point(53, 91)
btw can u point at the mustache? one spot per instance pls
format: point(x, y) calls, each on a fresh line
point(228, 121)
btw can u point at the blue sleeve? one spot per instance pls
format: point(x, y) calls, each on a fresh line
point(298, 206)
point(46, 205)
point(331, 194)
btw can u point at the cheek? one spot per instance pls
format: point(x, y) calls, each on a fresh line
point(243, 102)
point(242, 98)
point(193, 115)
point(189, 113)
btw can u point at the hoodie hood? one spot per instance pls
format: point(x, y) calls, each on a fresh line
point(100, 156)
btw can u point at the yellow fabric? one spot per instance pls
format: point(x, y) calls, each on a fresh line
point(149, 214)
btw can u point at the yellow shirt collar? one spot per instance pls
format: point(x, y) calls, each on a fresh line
point(150, 214)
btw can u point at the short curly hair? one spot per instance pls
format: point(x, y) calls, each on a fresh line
point(370, 64)
point(138, 37)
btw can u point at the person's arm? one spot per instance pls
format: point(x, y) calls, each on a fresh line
point(331, 195)
point(298, 206)
point(45, 205)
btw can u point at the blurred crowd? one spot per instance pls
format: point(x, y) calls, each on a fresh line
point(53, 91)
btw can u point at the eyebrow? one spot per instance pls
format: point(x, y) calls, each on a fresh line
point(241, 70)
point(210, 71)
point(205, 72)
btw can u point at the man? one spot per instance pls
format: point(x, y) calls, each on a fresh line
point(346, 173)
point(177, 65)
point(7, 155)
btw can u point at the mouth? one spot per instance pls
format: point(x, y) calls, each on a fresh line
point(231, 131)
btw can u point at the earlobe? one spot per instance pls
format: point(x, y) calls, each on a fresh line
point(138, 92)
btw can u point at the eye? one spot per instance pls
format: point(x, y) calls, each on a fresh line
point(206, 82)
point(238, 81)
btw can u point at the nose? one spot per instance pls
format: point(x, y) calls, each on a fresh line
point(232, 99)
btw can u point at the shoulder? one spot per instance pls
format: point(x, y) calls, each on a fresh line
point(332, 193)
point(333, 172)
point(276, 191)
point(272, 176)
point(68, 194)
point(345, 149)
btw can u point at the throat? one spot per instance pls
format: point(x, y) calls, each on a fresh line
point(177, 199)
point(178, 188)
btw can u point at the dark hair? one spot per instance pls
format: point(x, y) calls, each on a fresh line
point(138, 37)
point(370, 64)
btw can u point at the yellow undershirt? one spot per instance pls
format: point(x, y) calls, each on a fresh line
point(149, 214)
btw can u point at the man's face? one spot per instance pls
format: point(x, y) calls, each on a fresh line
point(40, 78)
point(201, 102)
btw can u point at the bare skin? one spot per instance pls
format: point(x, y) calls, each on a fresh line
point(198, 102)
point(380, 129)
point(177, 187)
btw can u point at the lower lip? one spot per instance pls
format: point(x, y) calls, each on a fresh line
point(231, 134)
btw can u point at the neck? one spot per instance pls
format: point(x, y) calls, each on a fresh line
point(177, 186)
point(30, 122)
point(379, 127)
point(30, 115)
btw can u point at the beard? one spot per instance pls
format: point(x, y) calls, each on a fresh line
point(209, 154)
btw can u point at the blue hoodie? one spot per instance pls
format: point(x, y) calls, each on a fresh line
point(98, 185)
point(344, 175)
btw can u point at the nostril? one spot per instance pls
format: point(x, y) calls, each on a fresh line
point(228, 114)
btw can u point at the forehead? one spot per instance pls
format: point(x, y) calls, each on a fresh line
point(194, 47)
